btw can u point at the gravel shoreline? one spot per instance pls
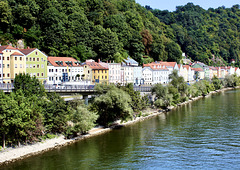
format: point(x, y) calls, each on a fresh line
point(9, 155)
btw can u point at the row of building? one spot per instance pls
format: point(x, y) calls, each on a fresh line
point(57, 70)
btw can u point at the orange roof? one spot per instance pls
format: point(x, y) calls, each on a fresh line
point(27, 51)
point(187, 66)
point(236, 68)
point(96, 66)
point(197, 69)
point(169, 64)
point(155, 66)
point(3, 47)
point(63, 61)
point(18, 54)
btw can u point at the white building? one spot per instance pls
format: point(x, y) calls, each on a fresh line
point(114, 73)
point(147, 75)
point(63, 69)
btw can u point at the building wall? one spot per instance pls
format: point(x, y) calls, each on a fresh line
point(36, 65)
point(114, 72)
point(137, 75)
point(147, 76)
point(1, 68)
point(100, 76)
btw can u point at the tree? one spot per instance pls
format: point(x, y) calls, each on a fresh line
point(112, 106)
point(29, 85)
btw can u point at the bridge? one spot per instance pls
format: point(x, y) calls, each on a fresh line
point(84, 90)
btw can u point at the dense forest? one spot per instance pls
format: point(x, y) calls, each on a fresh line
point(114, 29)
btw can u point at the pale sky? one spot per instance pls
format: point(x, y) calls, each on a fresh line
point(171, 4)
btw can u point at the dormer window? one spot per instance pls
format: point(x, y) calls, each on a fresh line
point(36, 53)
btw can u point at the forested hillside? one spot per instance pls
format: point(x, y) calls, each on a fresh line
point(204, 35)
point(105, 29)
point(114, 29)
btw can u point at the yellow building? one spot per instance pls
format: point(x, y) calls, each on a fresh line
point(97, 73)
point(13, 63)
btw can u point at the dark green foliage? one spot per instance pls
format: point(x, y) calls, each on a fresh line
point(216, 83)
point(204, 33)
point(87, 29)
point(56, 114)
point(112, 106)
point(29, 85)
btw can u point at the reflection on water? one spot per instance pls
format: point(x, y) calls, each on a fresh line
point(204, 134)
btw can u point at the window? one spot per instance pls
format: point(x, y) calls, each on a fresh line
point(26, 65)
point(38, 66)
point(34, 66)
point(42, 74)
point(33, 59)
point(105, 71)
point(105, 77)
point(20, 58)
point(7, 58)
point(3, 58)
point(8, 75)
point(15, 58)
point(38, 74)
point(56, 70)
point(102, 71)
point(15, 74)
point(36, 53)
point(3, 66)
point(3, 75)
point(102, 77)
point(15, 65)
point(30, 65)
point(37, 59)
point(26, 58)
point(30, 59)
point(42, 66)
point(20, 65)
point(7, 65)
point(49, 79)
point(0, 66)
point(49, 70)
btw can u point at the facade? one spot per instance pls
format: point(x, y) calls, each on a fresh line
point(200, 73)
point(202, 66)
point(128, 74)
point(137, 75)
point(1, 67)
point(160, 73)
point(63, 69)
point(36, 63)
point(13, 63)
point(147, 74)
point(96, 72)
point(114, 73)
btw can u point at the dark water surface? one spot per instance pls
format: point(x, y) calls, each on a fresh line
point(202, 135)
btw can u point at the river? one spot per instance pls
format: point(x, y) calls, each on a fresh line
point(204, 134)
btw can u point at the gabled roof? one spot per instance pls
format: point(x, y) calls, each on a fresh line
point(27, 51)
point(17, 54)
point(130, 61)
point(8, 47)
point(156, 66)
point(96, 66)
point(63, 61)
point(197, 69)
point(186, 66)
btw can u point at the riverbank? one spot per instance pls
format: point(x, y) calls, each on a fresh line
point(12, 154)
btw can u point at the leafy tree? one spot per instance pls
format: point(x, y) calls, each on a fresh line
point(217, 83)
point(112, 106)
point(29, 85)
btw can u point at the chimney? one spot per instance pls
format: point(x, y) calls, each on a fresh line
point(28, 47)
point(98, 60)
point(107, 61)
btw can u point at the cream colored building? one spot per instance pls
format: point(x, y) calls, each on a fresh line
point(13, 63)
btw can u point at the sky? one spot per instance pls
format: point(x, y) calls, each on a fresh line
point(171, 4)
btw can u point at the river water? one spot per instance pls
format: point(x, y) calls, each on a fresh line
point(202, 135)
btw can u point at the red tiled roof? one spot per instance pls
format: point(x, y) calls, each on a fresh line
point(62, 61)
point(157, 66)
point(18, 54)
point(3, 47)
point(186, 66)
point(197, 69)
point(169, 64)
point(236, 68)
point(27, 51)
point(95, 66)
